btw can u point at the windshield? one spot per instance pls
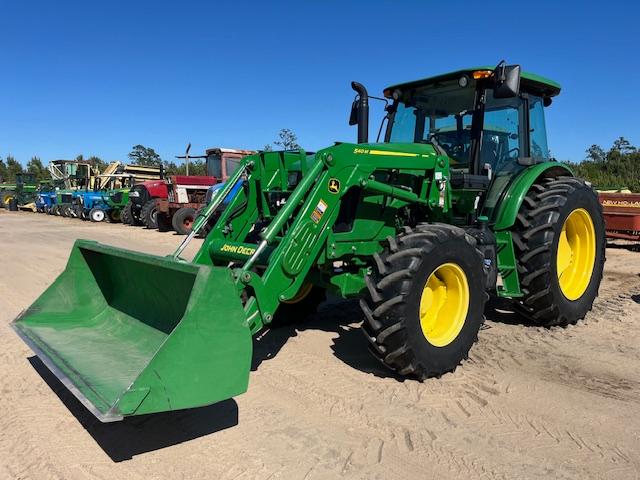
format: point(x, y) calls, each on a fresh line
point(442, 111)
point(232, 165)
point(214, 165)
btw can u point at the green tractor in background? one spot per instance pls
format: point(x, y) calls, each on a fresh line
point(118, 198)
point(458, 201)
point(23, 191)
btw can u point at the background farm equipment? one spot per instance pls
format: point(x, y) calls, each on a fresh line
point(46, 195)
point(419, 230)
point(178, 210)
point(99, 204)
point(621, 214)
point(69, 176)
point(21, 193)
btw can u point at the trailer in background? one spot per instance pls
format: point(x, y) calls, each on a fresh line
point(621, 214)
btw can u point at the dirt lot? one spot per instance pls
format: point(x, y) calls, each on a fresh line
point(529, 403)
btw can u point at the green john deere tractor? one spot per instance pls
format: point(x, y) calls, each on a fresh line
point(459, 200)
point(23, 190)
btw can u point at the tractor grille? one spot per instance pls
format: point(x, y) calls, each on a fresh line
point(117, 197)
point(66, 197)
point(138, 195)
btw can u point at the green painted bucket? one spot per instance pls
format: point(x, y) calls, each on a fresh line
point(131, 334)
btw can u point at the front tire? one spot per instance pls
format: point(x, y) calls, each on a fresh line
point(114, 215)
point(182, 220)
point(126, 214)
point(300, 307)
point(97, 215)
point(149, 214)
point(559, 239)
point(426, 300)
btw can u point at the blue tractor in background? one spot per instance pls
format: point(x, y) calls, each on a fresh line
point(91, 205)
point(46, 196)
point(210, 193)
point(95, 204)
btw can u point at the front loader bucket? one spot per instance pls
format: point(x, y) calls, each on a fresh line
point(130, 333)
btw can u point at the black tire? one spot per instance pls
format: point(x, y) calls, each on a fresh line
point(64, 210)
point(114, 215)
point(183, 219)
point(298, 311)
point(392, 307)
point(126, 217)
point(136, 219)
point(164, 222)
point(539, 224)
point(149, 214)
point(97, 215)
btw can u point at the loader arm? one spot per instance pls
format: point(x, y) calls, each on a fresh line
point(298, 240)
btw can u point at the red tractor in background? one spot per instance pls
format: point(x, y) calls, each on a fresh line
point(172, 203)
point(179, 209)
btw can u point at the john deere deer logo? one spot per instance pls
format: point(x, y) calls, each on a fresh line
point(334, 185)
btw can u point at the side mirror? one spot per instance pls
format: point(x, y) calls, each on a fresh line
point(507, 81)
point(353, 116)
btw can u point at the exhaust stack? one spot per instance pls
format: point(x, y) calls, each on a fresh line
point(363, 112)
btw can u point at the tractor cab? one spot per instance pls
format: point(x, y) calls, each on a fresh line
point(223, 162)
point(25, 178)
point(489, 122)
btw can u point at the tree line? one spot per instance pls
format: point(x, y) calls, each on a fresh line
point(616, 168)
point(139, 155)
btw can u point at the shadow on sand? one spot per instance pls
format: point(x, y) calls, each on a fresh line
point(338, 316)
point(145, 433)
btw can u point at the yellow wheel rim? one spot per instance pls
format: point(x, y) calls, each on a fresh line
point(576, 254)
point(302, 293)
point(7, 199)
point(444, 304)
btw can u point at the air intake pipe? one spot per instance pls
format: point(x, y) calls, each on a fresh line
point(363, 112)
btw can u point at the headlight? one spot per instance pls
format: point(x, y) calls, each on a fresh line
point(134, 194)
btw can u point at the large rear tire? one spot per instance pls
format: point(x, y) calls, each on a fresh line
point(149, 214)
point(426, 300)
point(560, 249)
point(182, 220)
point(5, 200)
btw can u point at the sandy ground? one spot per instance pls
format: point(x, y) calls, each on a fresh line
point(529, 403)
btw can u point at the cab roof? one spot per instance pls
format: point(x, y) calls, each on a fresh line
point(529, 82)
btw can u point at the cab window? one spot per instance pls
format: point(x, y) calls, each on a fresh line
point(232, 165)
point(214, 165)
point(538, 130)
point(502, 135)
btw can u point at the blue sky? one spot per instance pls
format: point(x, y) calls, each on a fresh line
point(99, 77)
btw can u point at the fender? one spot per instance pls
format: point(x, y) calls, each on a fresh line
point(505, 217)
